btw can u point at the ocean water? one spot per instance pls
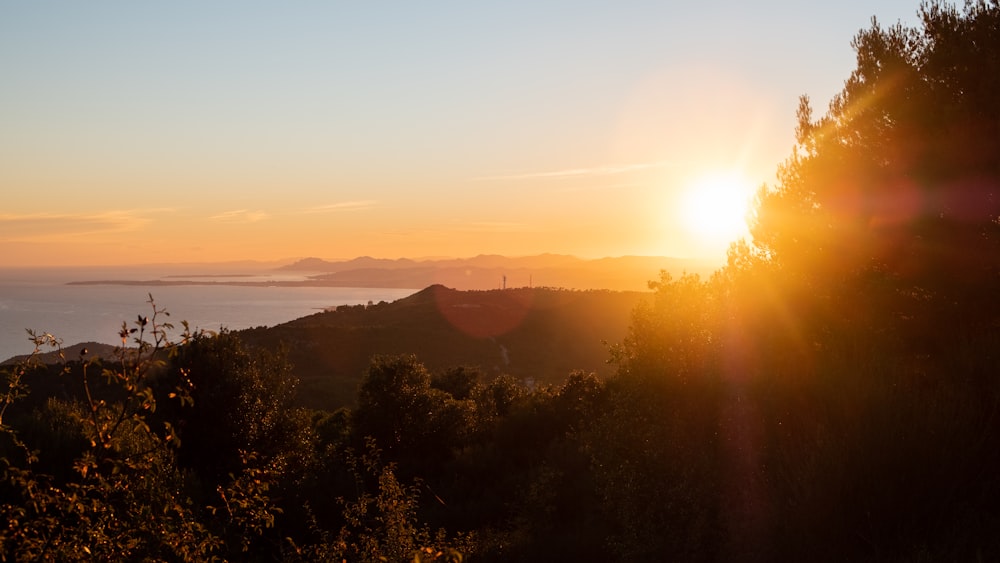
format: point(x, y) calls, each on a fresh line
point(42, 301)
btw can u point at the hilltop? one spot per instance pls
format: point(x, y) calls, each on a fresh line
point(538, 335)
point(69, 353)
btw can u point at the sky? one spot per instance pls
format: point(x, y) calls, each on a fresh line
point(183, 131)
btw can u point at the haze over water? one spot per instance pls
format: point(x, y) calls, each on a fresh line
point(41, 300)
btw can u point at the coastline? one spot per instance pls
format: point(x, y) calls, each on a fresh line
point(384, 284)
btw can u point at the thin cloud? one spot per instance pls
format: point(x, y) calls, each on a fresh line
point(602, 187)
point(240, 216)
point(496, 227)
point(45, 227)
point(571, 172)
point(342, 206)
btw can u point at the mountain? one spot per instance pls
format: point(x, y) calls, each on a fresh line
point(320, 265)
point(626, 273)
point(534, 334)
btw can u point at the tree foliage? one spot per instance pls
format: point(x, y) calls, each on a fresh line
point(242, 401)
point(832, 394)
point(895, 191)
point(121, 499)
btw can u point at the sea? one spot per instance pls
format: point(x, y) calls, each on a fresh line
point(44, 301)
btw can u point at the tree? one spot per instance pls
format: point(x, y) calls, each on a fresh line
point(120, 498)
point(242, 433)
point(409, 419)
point(894, 194)
point(242, 402)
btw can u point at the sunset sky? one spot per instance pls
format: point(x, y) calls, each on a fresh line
point(141, 132)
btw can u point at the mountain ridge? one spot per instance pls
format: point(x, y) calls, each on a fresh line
point(492, 271)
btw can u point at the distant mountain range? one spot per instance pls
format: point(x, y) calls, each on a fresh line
point(487, 271)
point(626, 273)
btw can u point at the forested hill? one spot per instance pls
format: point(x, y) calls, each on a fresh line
point(534, 334)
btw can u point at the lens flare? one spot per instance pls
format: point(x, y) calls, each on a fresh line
point(714, 207)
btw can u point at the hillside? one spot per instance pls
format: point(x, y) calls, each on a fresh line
point(538, 335)
point(69, 353)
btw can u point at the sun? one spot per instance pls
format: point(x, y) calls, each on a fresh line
point(714, 207)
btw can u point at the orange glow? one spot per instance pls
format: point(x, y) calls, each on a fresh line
point(714, 207)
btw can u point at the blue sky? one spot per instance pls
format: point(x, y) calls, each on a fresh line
point(200, 131)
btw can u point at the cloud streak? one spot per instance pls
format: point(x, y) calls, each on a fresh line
point(48, 227)
point(240, 216)
point(576, 172)
point(496, 227)
point(598, 188)
point(341, 206)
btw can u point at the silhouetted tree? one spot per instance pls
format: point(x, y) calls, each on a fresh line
point(894, 195)
point(408, 419)
point(243, 402)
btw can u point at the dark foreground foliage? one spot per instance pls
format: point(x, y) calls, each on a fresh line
point(831, 395)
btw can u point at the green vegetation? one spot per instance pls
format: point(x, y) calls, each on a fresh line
point(830, 395)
